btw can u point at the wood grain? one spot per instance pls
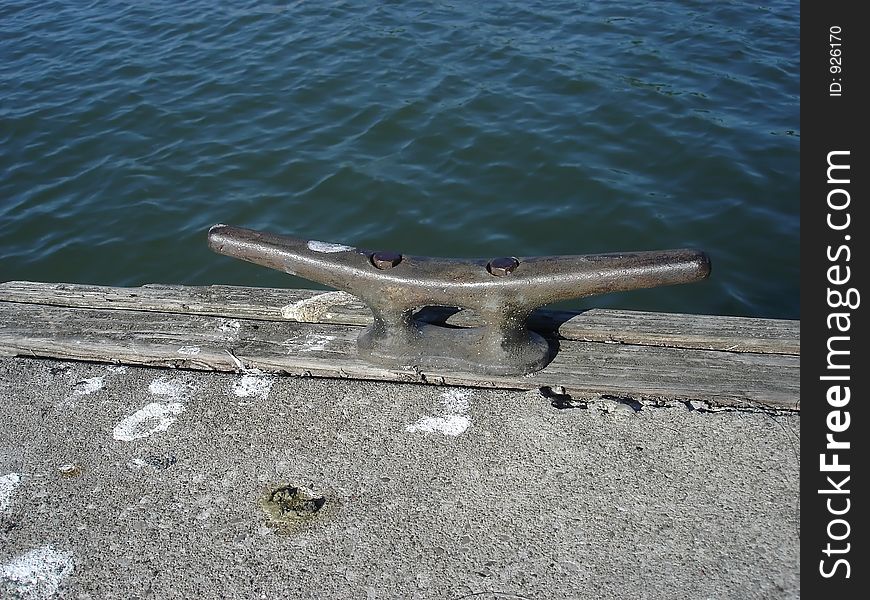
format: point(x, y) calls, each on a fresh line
point(709, 332)
point(227, 343)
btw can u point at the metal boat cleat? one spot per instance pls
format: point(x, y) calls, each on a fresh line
point(503, 291)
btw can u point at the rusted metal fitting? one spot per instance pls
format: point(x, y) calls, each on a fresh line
point(503, 292)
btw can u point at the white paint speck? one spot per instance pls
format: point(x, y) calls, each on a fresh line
point(136, 464)
point(454, 421)
point(189, 350)
point(149, 419)
point(253, 385)
point(448, 425)
point(87, 386)
point(316, 341)
point(37, 574)
point(205, 514)
point(8, 483)
point(168, 387)
point(155, 416)
point(117, 369)
point(328, 247)
point(455, 401)
point(315, 308)
point(230, 328)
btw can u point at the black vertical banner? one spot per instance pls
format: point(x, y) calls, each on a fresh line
point(834, 417)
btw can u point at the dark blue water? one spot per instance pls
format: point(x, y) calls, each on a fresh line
point(463, 129)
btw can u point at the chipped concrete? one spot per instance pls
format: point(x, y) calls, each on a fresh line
point(530, 502)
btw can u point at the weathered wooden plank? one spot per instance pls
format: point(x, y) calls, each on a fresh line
point(711, 332)
point(585, 369)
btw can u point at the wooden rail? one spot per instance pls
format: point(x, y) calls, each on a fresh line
point(724, 361)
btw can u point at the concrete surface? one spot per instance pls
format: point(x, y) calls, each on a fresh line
point(148, 483)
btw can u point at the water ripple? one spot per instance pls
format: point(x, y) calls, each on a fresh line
point(479, 129)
